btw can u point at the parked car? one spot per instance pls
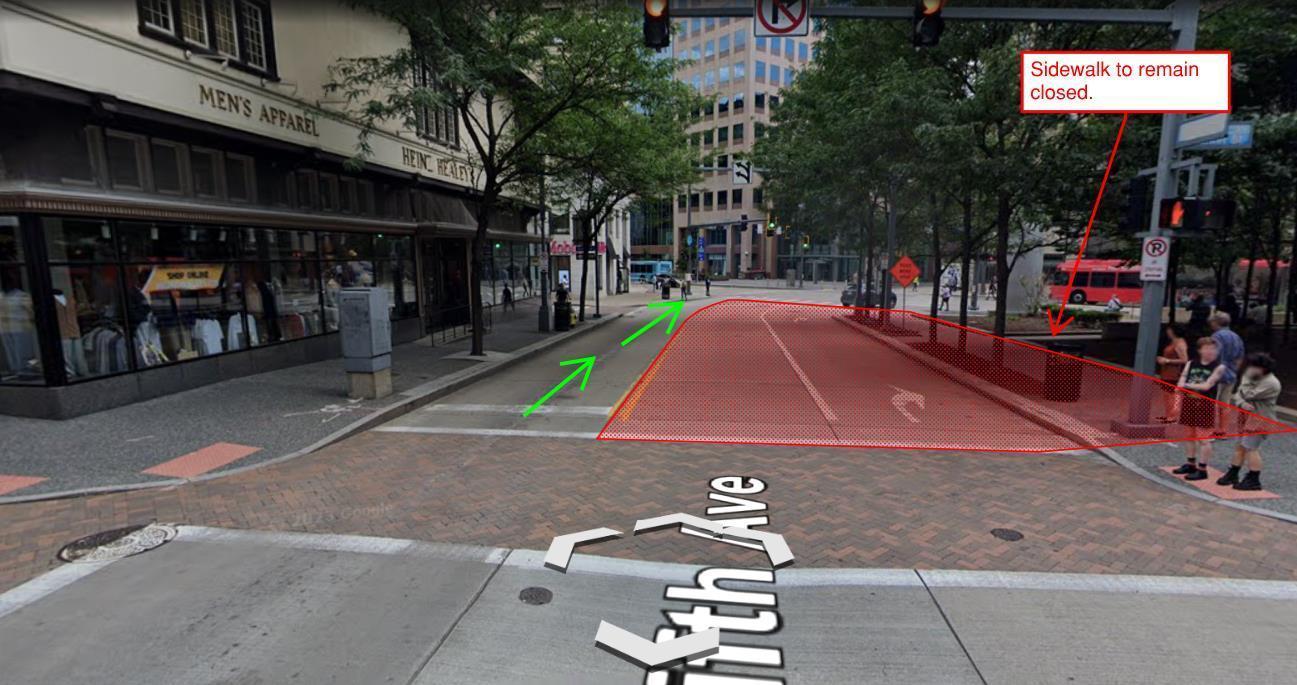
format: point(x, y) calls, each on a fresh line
point(871, 300)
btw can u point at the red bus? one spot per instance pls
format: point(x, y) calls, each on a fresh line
point(1096, 282)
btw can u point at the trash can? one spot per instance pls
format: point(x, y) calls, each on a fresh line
point(1063, 374)
point(563, 316)
point(666, 290)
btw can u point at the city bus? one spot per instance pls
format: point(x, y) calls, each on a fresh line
point(1097, 280)
point(647, 271)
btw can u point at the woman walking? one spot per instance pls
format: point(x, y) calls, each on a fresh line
point(1170, 364)
point(1198, 411)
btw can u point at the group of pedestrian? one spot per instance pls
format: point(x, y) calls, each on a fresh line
point(1221, 373)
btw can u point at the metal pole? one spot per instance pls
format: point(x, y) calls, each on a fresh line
point(598, 270)
point(689, 222)
point(885, 292)
point(543, 314)
point(1185, 27)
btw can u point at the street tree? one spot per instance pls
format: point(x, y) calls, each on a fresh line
point(507, 70)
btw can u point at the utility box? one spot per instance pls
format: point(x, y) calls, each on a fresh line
point(366, 330)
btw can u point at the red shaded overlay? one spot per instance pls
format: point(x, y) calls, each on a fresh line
point(787, 373)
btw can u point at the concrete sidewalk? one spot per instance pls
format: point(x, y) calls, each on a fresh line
point(252, 420)
point(231, 606)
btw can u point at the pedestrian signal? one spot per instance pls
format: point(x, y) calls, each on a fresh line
point(657, 24)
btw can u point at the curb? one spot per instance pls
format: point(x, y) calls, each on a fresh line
point(415, 397)
point(1047, 418)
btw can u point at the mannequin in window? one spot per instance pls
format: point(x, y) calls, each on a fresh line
point(74, 355)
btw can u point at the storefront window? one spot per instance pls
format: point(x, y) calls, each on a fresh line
point(21, 360)
point(283, 300)
point(92, 325)
point(183, 299)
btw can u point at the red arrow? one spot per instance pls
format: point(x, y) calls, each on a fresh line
point(1057, 323)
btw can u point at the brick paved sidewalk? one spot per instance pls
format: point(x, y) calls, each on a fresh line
point(837, 508)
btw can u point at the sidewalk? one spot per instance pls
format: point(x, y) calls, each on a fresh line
point(250, 420)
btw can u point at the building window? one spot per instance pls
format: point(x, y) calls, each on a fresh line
point(225, 21)
point(740, 39)
point(440, 124)
point(761, 70)
point(681, 200)
point(707, 200)
point(239, 30)
point(774, 101)
point(724, 44)
point(156, 14)
point(738, 133)
point(193, 21)
point(170, 176)
point(774, 74)
point(693, 200)
point(240, 178)
point(761, 42)
point(788, 47)
point(758, 196)
point(707, 137)
point(127, 166)
point(738, 102)
point(709, 49)
point(736, 197)
point(722, 198)
point(723, 105)
point(761, 100)
point(722, 161)
point(722, 135)
point(774, 46)
point(802, 51)
point(724, 75)
point(740, 70)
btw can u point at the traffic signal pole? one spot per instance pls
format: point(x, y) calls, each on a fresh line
point(1184, 25)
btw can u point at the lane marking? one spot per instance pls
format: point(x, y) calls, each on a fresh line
point(518, 408)
point(806, 381)
point(196, 463)
point(504, 432)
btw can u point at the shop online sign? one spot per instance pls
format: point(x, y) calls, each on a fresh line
point(1134, 82)
point(184, 277)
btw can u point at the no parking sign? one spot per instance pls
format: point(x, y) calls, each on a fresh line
point(1155, 258)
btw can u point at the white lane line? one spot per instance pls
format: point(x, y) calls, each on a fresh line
point(806, 381)
point(503, 432)
point(518, 409)
point(47, 584)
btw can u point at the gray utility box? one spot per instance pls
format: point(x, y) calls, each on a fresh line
point(366, 329)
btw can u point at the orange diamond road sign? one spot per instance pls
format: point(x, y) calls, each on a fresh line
point(905, 271)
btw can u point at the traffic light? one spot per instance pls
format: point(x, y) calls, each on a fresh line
point(806, 241)
point(657, 24)
point(1191, 215)
point(928, 23)
point(771, 225)
point(1134, 213)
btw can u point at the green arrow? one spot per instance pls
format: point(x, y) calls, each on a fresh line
point(586, 363)
point(673, 308)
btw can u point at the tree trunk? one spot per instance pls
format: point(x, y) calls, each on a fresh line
point(965, 259)
point(475, 286)
point(859, 301)
point(869, 249)
point(1252, 250)
point(1292, 282)
point(936, 251)
point(1003, 212)
point(1272, 282)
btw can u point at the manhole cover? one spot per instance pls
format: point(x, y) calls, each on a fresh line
point(535, 595)
point(118, 543)
point(1007, 534)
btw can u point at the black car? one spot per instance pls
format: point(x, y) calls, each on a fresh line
point(871, 299)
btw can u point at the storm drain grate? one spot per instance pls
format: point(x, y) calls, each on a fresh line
point(1007, 534)
point(118, 543)
point(535, 595)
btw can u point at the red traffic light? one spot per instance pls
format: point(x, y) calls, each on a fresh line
point(655, 8)
point(930, 7)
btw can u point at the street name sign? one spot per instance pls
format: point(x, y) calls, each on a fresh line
point(1155, 258)
point(1196, 130)
point(779, 18)
point(1237, 137)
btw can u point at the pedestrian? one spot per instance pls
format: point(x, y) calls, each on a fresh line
point(688, 285)
point(1197, 409)
point(1198, 312)
point(1258, 393)
point(945, 296)
point(1170, 364)
point(707, 283)
point(506, 299)
point(1231, 351)
point(1114, 305)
